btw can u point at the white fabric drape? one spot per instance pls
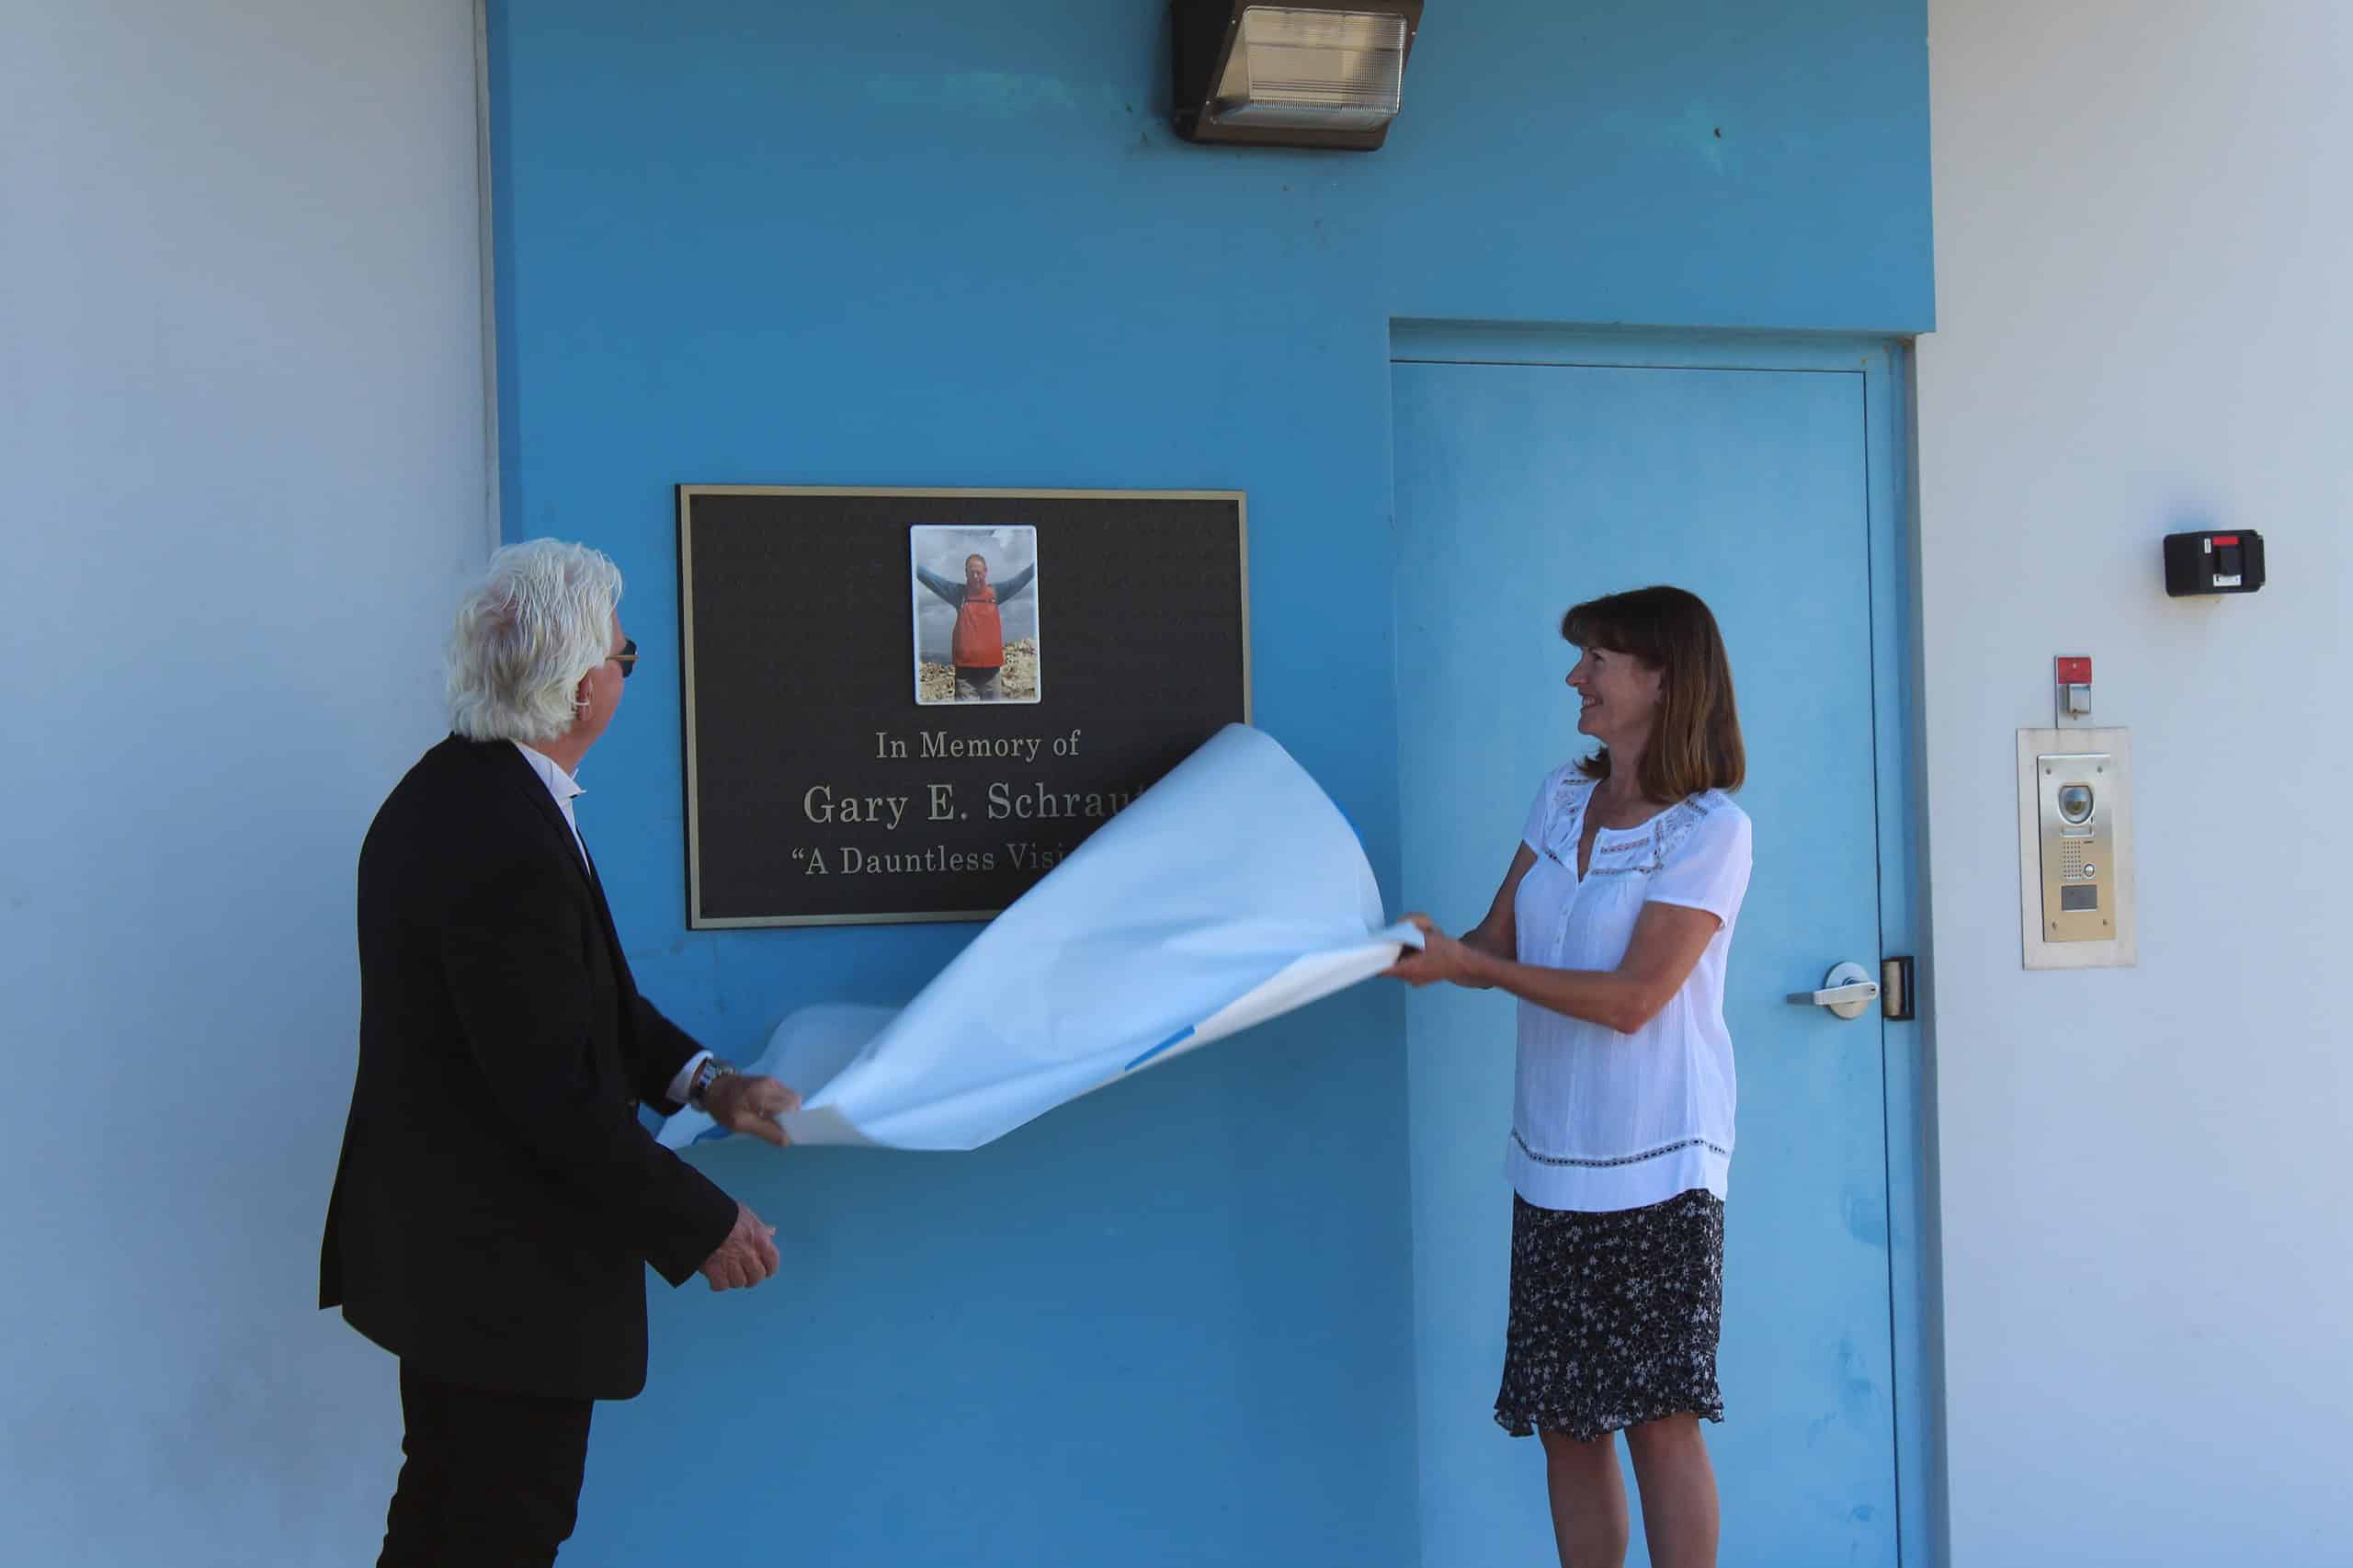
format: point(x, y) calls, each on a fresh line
point(1231, 892)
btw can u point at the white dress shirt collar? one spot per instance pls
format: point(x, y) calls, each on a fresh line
point(561, 787)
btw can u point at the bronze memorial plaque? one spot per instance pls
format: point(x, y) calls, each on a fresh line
point(906, 705)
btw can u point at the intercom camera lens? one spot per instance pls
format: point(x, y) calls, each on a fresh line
point(2076, 802)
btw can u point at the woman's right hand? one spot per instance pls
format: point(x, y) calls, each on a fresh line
point(1441, 958)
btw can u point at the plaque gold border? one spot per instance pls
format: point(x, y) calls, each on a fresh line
point(685, 494)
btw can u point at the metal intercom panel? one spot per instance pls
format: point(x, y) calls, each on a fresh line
point(2075, 849)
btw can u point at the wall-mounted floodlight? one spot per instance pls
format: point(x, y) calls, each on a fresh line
point(1292, 75)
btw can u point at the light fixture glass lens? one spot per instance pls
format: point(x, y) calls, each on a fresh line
point(1313, 70)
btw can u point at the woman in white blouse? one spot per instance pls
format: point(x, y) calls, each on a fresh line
point(1613, 927)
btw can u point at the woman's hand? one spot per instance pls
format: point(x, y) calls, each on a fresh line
point(1441, 958)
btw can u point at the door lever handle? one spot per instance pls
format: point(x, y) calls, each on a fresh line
point(1860, 990)
point(1845, 991)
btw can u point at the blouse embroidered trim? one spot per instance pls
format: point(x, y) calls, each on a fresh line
point(1636, 850)
point(1622, 1159)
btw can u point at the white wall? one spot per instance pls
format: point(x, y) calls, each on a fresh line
point(2144, 319)
point(241, 463)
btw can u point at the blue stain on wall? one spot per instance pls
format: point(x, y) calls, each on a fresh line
point(945, 245)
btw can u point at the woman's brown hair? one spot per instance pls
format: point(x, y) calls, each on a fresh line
point(1695, 744)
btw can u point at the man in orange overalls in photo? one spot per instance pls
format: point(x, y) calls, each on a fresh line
point(978, 647)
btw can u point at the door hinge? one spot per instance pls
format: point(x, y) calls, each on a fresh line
point(1895, 989)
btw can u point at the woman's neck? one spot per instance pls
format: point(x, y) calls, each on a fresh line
point(1624, 785)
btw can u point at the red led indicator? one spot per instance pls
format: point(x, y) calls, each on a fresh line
point(2074, 672)
point(2221, 539)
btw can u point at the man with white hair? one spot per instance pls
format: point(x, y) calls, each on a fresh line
point(499, 1199)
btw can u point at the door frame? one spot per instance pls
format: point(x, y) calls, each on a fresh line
point(1898, 748)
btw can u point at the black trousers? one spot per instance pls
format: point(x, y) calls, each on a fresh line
point(489, 1480)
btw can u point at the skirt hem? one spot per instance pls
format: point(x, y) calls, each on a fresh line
point(1527, 1423)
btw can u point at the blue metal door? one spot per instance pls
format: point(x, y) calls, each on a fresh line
point(1520, 489)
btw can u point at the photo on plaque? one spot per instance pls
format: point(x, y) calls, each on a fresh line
point(975, 595)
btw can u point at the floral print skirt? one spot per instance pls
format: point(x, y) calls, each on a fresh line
point(1614, 1316)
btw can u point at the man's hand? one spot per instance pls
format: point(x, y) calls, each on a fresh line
point(751, 1105)
point(747, 1258)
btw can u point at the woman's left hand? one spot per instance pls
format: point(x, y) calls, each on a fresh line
point(1441, 958)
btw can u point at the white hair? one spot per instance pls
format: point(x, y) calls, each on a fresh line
point(540, 619)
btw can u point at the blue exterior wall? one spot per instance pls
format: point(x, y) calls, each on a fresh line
point(958, 246)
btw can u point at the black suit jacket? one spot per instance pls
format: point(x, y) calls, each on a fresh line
point(497, 1199)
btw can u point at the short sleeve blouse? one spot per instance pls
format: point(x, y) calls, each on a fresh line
point(1603, 1121)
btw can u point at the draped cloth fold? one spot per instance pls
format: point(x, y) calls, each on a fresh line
point(1230, 892)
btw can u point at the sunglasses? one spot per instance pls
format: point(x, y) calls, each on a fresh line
point(626, 657)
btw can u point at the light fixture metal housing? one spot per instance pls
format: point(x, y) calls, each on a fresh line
point(1289, 74)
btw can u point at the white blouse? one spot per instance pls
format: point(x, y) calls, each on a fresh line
point(1604, 1120)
